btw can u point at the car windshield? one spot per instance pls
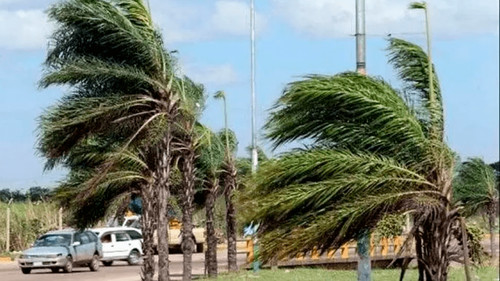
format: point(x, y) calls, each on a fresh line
point(53, 240)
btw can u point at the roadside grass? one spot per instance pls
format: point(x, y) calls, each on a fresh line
point(27, 221)
point(307, 274)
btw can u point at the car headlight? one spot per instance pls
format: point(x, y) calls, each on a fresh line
point(59, 255)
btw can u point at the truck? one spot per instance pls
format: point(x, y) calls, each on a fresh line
point(174, 232)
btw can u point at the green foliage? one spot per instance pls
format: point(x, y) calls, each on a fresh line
point(390, 225)
point(475, 236)
point(372, 155)
point(28, 221)
point(476, 187)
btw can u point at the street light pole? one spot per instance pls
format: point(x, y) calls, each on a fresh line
point(363, 240)
point(252, 84)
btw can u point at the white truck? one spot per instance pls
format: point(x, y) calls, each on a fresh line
point(174, 232)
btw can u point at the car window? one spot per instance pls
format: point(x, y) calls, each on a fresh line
point(53, 240)
point(77, 237)
point(106, 238)
point(134, 234)
point(92, 236)
point(120, 237)
point(84, 239)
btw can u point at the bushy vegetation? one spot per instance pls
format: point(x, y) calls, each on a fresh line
point(27, 221)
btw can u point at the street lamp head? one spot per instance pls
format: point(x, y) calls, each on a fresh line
point(418, 5)
point(220, 95)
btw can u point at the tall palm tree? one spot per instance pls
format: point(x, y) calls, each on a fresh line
point(375, 151)
point(476, 187)
point(120, 77)
point(210, 160)
point(230, 182)
point(186, 141)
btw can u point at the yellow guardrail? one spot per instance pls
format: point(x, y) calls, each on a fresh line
point(384, 248)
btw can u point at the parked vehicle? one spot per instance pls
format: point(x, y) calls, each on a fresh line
point(62, 249)
point(174, 231)
point(120, 244)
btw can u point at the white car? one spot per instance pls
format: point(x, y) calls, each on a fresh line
point(120, 244)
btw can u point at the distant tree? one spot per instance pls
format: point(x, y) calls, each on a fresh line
point(476, 186)
point(18, 196)
point(5, 195)
point(38, 193)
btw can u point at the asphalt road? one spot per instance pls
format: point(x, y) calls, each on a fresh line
point(118, 271)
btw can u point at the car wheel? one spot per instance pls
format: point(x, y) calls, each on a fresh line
point(199, 248)
point(68, 267)
point(94, 264)
point(107, 263)
point(55, 270)
point(26, 270)
point(134, 257)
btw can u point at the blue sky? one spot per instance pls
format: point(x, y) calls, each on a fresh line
point(294, 38)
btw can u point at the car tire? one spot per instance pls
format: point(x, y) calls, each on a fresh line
point(199, 248)
point(68, 267)
point(107, 263)
point(55, 270)
point(26, 270)
point(94, 264)
point(134, 257)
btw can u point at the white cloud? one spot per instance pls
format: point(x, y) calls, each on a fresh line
point(23, 29)
point(188, 21)
point(449, 18)
point(214, 75)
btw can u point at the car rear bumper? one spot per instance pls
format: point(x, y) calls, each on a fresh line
point(42, 262)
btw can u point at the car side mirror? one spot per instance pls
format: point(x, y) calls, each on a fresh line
point(76, 243)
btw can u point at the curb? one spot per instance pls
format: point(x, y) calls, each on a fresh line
point(6, 260)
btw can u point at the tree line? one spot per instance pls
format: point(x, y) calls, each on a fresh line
point(35, 193)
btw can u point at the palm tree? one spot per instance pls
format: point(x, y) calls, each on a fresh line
point(186, 141)
point(476, 187)
point(120, 78)
point(230, 182)
point(375, 151)
point(209, 162)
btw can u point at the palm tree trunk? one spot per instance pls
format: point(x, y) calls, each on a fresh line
point(211, 253)
point(148, 227)
point(435, 240)
point(230, 187)
point(163, 197)
point(188, 178)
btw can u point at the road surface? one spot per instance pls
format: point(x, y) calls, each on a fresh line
point(119, 271)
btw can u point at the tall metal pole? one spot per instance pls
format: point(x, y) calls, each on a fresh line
point(252, 84)
point(360, 37)
point(363, 241)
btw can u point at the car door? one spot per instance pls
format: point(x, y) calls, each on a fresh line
point(81, 250)
point(123, 244)
point(88, 248)
point(108, 247)
point(136, 239)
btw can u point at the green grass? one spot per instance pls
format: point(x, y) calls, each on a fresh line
point(304, 274)
point(27, 221)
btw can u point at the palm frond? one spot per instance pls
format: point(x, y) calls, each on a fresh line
point(349, 110)
point(411, 64)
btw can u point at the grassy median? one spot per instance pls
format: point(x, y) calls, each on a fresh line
point(304, 274)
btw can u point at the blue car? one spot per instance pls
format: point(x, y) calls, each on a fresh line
point(62, 249)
